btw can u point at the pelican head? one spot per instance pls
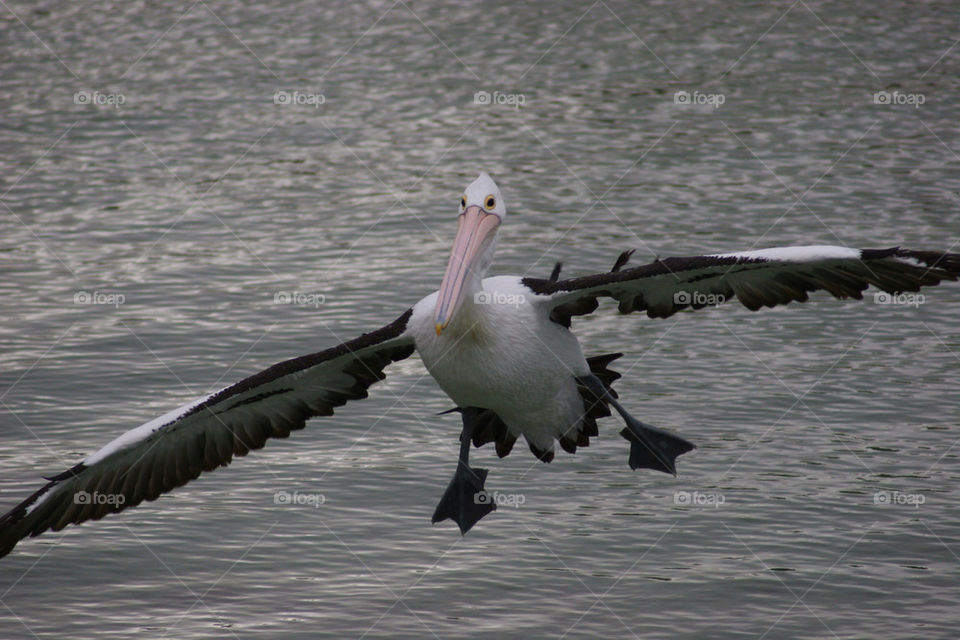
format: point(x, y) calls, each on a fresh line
point(481, 211)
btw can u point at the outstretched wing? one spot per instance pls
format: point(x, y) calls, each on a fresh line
point(762, 278)
point(175, 448)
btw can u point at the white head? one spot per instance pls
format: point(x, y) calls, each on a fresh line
point(480, 193)
point(482, 209)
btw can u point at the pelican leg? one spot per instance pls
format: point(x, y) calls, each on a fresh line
point(650, 447)
point(465, 501)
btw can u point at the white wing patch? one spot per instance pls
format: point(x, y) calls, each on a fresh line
point(144, 431)
point(810, 253)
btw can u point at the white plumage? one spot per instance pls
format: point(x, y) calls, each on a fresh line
point(503, 353)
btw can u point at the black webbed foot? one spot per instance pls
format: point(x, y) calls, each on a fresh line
point(653, 448)
point(465, 501)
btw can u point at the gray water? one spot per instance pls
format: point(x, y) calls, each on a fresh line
point(822, 500)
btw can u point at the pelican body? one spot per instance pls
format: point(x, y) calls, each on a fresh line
point(500, 347)
point(502, 354)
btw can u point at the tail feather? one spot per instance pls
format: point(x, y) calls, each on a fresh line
point(595, 405)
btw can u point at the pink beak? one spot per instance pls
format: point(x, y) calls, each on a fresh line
point(475, 231)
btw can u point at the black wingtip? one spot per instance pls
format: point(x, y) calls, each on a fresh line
point(555, 274)
point(622, 259)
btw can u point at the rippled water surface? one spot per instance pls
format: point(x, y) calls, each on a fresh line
point(189, 207)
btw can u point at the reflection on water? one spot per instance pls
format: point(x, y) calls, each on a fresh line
point(182, 213)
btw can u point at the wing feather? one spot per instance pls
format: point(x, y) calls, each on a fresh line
point(169, 451)
point(761, 278)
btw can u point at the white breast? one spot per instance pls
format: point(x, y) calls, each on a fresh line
point(501, 352)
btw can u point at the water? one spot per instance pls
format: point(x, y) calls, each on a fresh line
point(199, 199)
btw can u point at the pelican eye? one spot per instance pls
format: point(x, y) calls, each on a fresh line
point(463, 202)
point(489, 203)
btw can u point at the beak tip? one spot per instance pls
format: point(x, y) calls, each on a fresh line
point(439, 328)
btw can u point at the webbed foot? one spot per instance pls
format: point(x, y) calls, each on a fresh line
point(465, 501)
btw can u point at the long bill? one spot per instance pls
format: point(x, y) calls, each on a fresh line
point(475, 231)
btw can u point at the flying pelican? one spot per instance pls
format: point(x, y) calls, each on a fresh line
point(500, 347)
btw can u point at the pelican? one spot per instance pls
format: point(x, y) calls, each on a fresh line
point(500, 347)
